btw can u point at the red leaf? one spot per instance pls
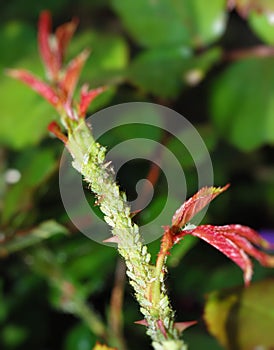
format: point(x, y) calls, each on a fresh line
point(52, 47)
point(215, 237)
point(63, 34)
point(87, 97)
point(36, 84)
point(68, 83)
point(195, 204)
point(54, 128)
point(248, 233)
point(235, 241)
point(263, 258)
point(48, 54)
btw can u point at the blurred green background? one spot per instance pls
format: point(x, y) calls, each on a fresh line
point(213, 65)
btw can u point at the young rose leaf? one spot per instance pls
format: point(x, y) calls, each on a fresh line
point(36, 84)
point(211, 235)
point(195, 204)
point(235, 241)
point(263, 258)
point(250, 234)
point(87, 96)
point(72, 73)
point(52, 46)
point(63, 35)
point(55, 129)
point(48, 53)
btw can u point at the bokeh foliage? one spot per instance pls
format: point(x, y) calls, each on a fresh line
point(212, 65)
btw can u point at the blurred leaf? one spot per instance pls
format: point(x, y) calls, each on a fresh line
point(45, 230)
point(15, 37)
point(36, 167)
point(242, 318)
point(165, 23)
point(25, 115)
point(109, 56)
point(21, 107)
point(13, 335)
point(105, 67)
point(196, 339)
point(102, 347)
point(199, 65)
point(79, 338)
point(263, 25)
point(160, 71)
point(242, 102)
point(164, 72)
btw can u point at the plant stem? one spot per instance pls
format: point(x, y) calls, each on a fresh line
point(116, 304)
point(43, 262)
point(26, 239)
point(89, 159)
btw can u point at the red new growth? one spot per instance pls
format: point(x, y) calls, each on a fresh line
point(195, 204)
point(237, 242)
point(62, 79)
point(36, 84)
point(52, 47)
point(55, 129)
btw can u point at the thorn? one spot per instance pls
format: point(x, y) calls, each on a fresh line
point(181, 326)
point(113, 239)
point(107, 164)
point(142, 322)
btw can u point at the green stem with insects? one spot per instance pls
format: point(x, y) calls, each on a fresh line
point(146, 279)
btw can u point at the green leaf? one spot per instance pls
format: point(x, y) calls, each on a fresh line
point(164, 72)
point(15, 38)
point(242, 101)
point(109, 56)
point(263, 25)
point(160, 71)
point(196, 339)
point(242, 318)
point(20, 106)
point(165, 23)
point(197, 67)
point(24, 115)
point(106, 64)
